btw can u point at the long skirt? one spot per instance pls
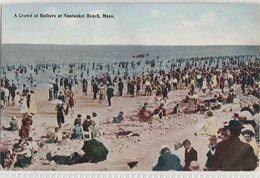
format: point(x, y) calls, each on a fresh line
point(24, 132)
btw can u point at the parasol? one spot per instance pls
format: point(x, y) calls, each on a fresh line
point(95, 150)
point(55, 102)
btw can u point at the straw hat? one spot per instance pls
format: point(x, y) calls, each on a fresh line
point(246, 114)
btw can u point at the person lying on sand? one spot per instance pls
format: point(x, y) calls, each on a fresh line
point(74, 158)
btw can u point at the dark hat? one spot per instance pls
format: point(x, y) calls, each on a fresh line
point(79, 115)
point(234, 125)
point(210, 114)
point(249, 132)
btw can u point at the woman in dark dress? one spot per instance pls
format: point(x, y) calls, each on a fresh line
point(60, 114)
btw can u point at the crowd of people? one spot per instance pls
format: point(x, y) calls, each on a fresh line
point(194, 75)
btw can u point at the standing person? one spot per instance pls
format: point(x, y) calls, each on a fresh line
point(25, 128)
point(192, 84)
point(222, 83)
point(174, 83)
point(101, 96)
point(71, 103)
point(12, 90)
point(50, 92)
point(7, 96)
point(168, 161)
point(60, 114)
point(147, 87)
point(120, 87)
point(165, 93)
point(199, 79)
point(23, 104)
point(230, 80)
point(33, 107)
point(85, 86)
point(95, 90)
point(243, 83)
point(211, 152)
point(110, 94)
point(232, 154)
point(55, 90)
point(190, 154)
point(132, 88)
point(61, 97)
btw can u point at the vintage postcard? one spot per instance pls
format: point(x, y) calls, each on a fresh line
point(130, 87)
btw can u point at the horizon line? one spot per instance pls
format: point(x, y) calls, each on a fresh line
point(77, 44)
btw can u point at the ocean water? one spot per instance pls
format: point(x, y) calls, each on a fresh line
point(31, 54)
point(27, 54)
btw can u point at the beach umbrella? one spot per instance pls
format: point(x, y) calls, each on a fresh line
point(56, 102)
point(95, 150)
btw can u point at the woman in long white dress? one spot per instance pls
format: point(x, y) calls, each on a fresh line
point(204, 86)
point(214, 81)
point(23, 105)
point(33, 107)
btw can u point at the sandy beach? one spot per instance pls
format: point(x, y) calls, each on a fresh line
point(144, 148)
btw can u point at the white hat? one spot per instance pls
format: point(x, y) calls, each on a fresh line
point(246, 114)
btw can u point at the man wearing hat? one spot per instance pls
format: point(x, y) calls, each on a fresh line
point(13, 125)
point(168, 161)
point(232, 154)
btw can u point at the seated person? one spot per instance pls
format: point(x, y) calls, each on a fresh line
point(78, 120)
point(57, 138)
point(168, 161)
point(144, 114)
point(89, 128)
point(220, 98)
point(187, 98)
point(155, 116)
point(230, 97)
point(77, 132)
point(176, 109)
point(119, 118)
point(214, 100)
point(162, 111)
point(203, 107)
point(13, 125)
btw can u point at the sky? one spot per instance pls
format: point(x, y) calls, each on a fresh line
point(134, 24)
